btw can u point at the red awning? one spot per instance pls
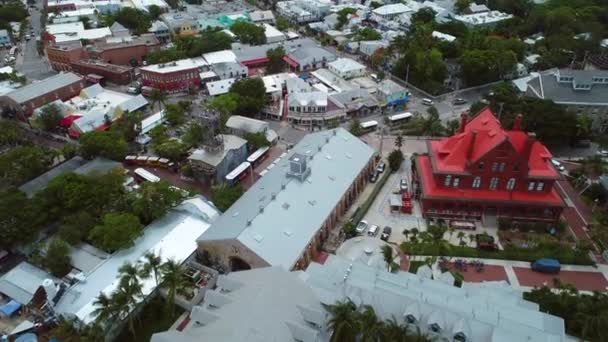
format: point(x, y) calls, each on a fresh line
point(255, 61)
point(68, 120)
point(102, 128)
point(291, 62)
point(74, 134)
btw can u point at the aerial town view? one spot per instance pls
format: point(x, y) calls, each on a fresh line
point(303, 170)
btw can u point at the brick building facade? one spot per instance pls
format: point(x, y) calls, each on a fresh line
point(484, 172)
point(119, 74)
point(173, 77)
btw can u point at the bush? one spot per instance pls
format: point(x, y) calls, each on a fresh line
point(368, 202)
point(395, 159)
point(564, 255)
point(58, 258)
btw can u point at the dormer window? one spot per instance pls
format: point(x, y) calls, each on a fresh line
point(566, 78)
point(582, 86)
point(476, 182)
point(447, 181)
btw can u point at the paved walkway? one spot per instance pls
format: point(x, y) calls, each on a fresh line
point(519, 274)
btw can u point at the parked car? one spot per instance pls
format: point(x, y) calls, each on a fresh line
point(361, 227)
point(374, 177)
point(403, 186)
point(558, 165)
point(546, 265)
point(380, 168)
point(603, 153)
point(459, 101)
point(427, 102)
point(373, 230)
point(386, 233)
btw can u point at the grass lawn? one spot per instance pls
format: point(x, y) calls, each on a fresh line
point(152, 318)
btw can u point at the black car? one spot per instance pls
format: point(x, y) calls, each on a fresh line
point(374, 177)
point(386, 233)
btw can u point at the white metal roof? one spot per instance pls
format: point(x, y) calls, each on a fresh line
point(392, 9)
point(22, 281)
point(346, 65)
point(181, 65)
point(443, 36)
point(298, 209)
point(43, 87)
point(171, 237)
point(223, 56)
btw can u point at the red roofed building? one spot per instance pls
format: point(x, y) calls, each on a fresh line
point(484, 170)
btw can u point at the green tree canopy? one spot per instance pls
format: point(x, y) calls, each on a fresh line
point(367, 33)
point(195, 135)
point(117, 231)
point(282, 24)
point(248, 33)
point(109, 144)
point(49, 118)
point(76, 227)
point(154, 200)
point(132, 19)
point(23, 163)
point(395, 158)
point(256, 140)
point(18, 218)
point(175, 114)
point(275, 60)
point(343, 15)
point(223, 196)
point(171, 149)
point(57, 258)
point(251, 96)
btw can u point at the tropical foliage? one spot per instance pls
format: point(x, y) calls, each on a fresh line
point(347, 322)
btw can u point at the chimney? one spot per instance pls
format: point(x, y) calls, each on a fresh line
point(471, 144)
point(463, 122)
point(517, 122)
point(530, 139)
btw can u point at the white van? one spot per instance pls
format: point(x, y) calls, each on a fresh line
point(427, 102)
point(558, 165)
point(373, 230)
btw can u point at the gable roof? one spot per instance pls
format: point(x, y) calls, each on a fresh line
point(481, 135)
point(284, 211)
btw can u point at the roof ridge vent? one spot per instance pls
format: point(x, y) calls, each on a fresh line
point(283, 185)
point(273, 195)
point(261, 209)
point(249, 222)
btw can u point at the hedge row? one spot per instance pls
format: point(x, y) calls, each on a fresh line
point(564, 255)
point(362, 210)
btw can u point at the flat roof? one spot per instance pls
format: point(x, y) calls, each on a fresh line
point(175, 66)
point(171, 237)
point(223, 56)
point(220, 87)
point(294, 210)
point(346, 64)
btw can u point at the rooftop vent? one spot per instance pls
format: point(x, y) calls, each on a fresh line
point(261, 209)
point(283, 185)
point(297, 167)
point(285, 205)
point(258, 238)
point(273, 195)
point(287, 232)
point(248, 222)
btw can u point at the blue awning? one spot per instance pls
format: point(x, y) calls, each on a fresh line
point(9, 308)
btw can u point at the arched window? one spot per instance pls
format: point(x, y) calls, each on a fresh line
point(493, 183)
point(502, 167)
point(511, 184)
point(476, 182)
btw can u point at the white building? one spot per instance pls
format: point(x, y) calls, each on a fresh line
point(346, 68)
point(303, 11)
point(272, 34)
point(262, 17)
point(482, 19)
point(388, 12)
point(220, 87)
point(70, 32)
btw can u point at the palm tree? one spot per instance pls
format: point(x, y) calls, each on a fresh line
point(157, 96)
point(125, 298)
point(343, 323)
point(414, 232)
point(105, 312)
point(370, 327)
point(471, 238)
point(387, 253)
point(394, 332)
point(151, 266)
point(129, 273)
point(399, 141)
point(460, 237)
point(406, 232)
point(174, 280)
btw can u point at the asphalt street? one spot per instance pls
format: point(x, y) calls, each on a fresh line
point(30, 63)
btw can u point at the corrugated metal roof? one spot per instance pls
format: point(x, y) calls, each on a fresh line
point(21, 282)
point(43, 87)
point(294, 210)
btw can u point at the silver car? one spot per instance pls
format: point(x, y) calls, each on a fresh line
point(361, 227)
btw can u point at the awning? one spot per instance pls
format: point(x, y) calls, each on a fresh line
point(8, 309)
point(74, 134)
point(68, 120)
point(255, 61)
point(102, 128)
point(292, 63)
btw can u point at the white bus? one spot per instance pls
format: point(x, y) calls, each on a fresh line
point(146, 175)
point(369, 126)
point(398, 118)
point(258, 156)
point(238, 173)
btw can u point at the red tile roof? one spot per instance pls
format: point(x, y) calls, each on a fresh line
point(481, 135)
